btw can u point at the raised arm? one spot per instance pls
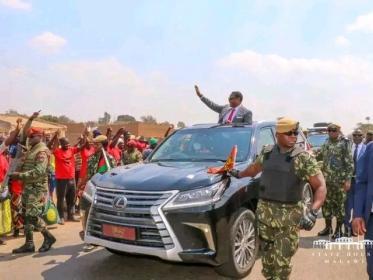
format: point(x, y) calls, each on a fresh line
point(27, 126)
point(116, 137)
point(13, 134)
point(213, 106)
point(53, 144)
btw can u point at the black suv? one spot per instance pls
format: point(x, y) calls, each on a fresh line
point(170, 207)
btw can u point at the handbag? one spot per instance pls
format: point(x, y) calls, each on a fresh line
point(50, 213)
point(5, 217)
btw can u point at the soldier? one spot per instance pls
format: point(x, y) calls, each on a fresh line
point(34, 175)
point(280, 211)
point(337, 167)
point(132, 155)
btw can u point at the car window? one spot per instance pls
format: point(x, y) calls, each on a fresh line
point(205, 144)
point(265, 138)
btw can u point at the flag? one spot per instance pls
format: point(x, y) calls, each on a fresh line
point(229, 164)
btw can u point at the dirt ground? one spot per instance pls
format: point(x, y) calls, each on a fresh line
point(67, 260)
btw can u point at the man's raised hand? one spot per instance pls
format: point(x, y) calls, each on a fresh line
point(197, 91)
point(35, 115)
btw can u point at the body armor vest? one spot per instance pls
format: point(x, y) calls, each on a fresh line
point(278, 181)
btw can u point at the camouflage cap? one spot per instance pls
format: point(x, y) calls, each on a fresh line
point(100, 139)
point(285, 124)
point(334, 125)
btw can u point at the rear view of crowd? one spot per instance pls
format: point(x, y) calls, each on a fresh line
point(67, 169)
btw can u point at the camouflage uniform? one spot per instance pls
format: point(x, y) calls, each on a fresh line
point(131, 157)
point(93, 164)
point(34, 174)
point(278, 223)
point(337, 167)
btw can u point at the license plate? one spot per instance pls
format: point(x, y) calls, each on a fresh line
point(127, 233)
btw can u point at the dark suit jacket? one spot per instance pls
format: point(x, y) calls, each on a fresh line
point(243, 115)
point(364, 185)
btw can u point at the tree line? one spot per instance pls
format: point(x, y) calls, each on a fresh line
point(105, 119)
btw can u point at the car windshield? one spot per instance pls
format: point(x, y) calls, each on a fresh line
point(317, 140)
point(207, 144)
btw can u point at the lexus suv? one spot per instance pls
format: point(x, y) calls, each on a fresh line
point(170, 207)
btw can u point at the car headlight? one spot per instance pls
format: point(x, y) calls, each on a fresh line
point(89, 191)
point(197, 197)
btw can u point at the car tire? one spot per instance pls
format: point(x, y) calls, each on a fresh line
point(241, 257)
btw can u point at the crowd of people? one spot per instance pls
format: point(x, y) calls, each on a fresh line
point(67, 169)
point(49, 163)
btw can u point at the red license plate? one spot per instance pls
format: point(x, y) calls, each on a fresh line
point(127, 233)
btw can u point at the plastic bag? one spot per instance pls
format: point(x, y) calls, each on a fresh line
point(5, 217)
point(50, 213)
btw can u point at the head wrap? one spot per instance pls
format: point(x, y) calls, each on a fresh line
point(153, 141)
point(100, 139)
point(132, 144)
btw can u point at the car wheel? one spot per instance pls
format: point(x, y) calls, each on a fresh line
point(243, 245)
point(307, 197)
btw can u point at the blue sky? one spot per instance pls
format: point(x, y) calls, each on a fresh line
point(311, 60)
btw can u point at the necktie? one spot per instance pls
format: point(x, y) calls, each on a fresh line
point(355, 157)
point(230, 117)
point(355, 153)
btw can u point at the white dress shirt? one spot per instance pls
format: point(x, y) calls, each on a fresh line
point(358, 146)
point(229, 112)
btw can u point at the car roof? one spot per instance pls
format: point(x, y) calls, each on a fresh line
point(212, 125)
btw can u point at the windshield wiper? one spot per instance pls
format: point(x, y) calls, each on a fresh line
point(209, 159)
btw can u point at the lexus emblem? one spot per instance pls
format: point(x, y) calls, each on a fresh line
point(120, 202)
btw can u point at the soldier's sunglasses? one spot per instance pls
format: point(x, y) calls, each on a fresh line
point(291, 133)
point(332, 130)
point(357, 135)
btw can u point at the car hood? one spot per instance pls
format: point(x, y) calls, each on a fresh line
point(159, 176)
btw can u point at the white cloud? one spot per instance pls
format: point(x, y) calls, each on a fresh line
point(309, 89)
point(16, 4)
point(48, 42)
point(342, 41)
point(362, 23)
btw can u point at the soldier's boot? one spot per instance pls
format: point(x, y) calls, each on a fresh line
point(328, 230)
point(338, 231)
point(49, 240)
point(28, 247)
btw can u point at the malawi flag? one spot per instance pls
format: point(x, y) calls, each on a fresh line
point(102, 166)
point(229, 164)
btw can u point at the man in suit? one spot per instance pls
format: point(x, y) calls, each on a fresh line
point(358, 149)
point(233, 112)
point(363, 202)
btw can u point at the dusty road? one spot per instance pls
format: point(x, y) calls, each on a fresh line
point(68, 261)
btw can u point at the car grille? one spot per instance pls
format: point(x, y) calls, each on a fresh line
point(140, 213)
